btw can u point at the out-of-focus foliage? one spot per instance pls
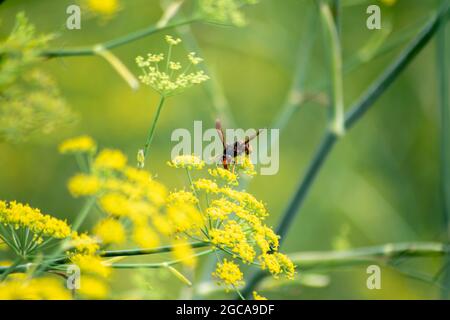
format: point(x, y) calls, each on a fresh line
point(225, 11)
point(30, 100)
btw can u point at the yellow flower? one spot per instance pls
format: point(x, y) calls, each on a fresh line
point(78, 144)
point(247, 201)
point(389, 2)
point(244, 163)
point(91, 264)
point(103, 7)
point(229, 273)
point(256, 296)
point(19, 215)
point(183, 251)
point(174, 65)
point(145, 237)
point(45, 288)
point(5, 263)
point(185, 217)
point(206, 185)
point(92, 288)
point(171, 41)
point(269, 261)
point(225, 175)
point(110, 159)
point(192, 56)
point(162, 224)
point(83, 243)
point(277, 263)
point(110, 231)
point(84, 185)
point(181, 197)
point(286, 264)
point(245, 251)
point(187, 161)
point(115, 204)
point(233, 237)
point(221, 208)
point(229, 236)
point(172, 78)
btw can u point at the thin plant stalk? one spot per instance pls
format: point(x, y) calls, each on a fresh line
point(443, 88)
point(119, 66)
point(151, 133)
point(133, 36)
point(337, 83)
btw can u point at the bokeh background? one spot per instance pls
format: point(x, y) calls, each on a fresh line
point(381, 183)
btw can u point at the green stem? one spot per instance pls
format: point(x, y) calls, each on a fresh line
point(443, 80)
point(118, 66)
point(83, 213)
point(332, 38)
point(133, 36)
point(155, 265)
point(153, 127)
point(361, 256)
point(10, 269)
point(138, 252)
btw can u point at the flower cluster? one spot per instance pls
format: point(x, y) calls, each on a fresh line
point(233, 223)
point(171, 78)
point(137, 207)
point(37, 227)
point(186, 161)
point(79, 144)
point(225, 11)
point(140, 209)
point(26, 230)
point(44, 288)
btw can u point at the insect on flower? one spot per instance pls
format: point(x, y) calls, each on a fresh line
point(232, 150)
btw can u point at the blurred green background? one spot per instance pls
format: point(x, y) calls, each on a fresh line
point(380, 184)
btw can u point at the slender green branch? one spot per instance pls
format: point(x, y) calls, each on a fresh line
point(119, 66)
point(384, 253)
point(157, 264)
point(359, 109)
point(153, 127)
point(443, 80)
point(133, 36)
point(332, 38)
point(81, 216)
point(337, 15)
point(392, 72)
point(139, 252)
point(106, 254)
